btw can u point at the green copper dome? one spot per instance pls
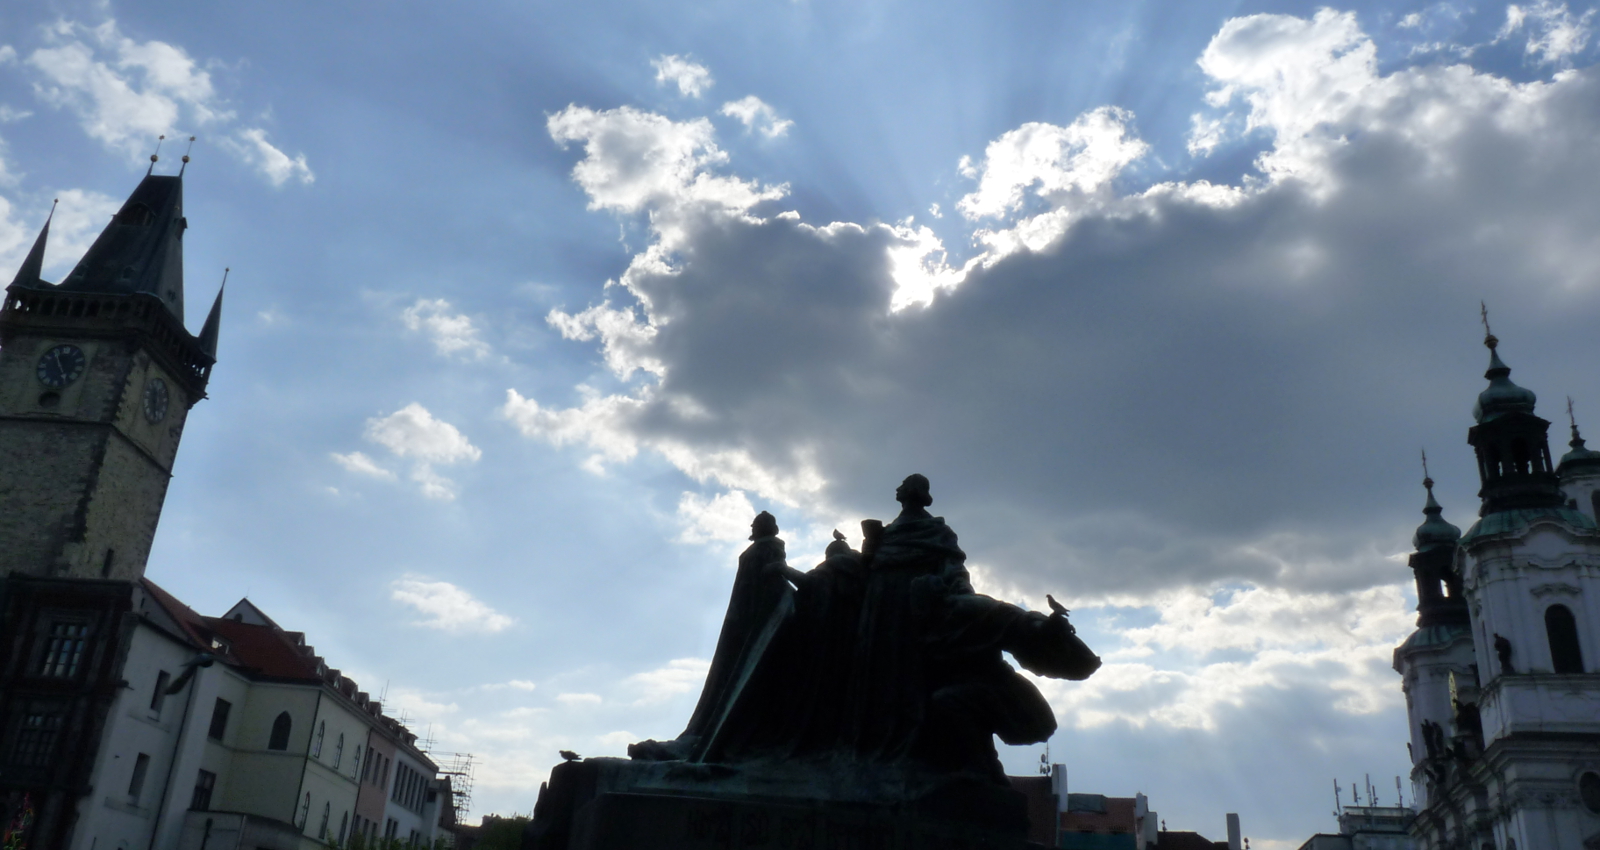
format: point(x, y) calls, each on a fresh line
point(1434, 531)
point(1502, 396)
point(1579, 456)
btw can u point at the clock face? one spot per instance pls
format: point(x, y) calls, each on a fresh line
point(155, 400)
point(61, 366)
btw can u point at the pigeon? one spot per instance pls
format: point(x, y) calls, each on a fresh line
point(570, 755)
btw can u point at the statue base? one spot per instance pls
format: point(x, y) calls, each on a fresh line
point(617, 804)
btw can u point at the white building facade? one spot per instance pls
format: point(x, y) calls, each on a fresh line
point(1500, 676)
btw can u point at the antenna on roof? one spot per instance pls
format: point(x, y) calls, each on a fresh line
point(186, 156)
point(1338, 799)
point(155, 156)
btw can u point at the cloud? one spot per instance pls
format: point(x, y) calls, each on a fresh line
point(692, 79)
point(250, 144)
point(447, 607)
point(361, 464)
point(723, 518)
point(413, 432)
point(679, 676)
point(452, 334)
point(1065, 163)
point(578, 699)
point(1555, 35)
point(757, 116)
point(126, 93)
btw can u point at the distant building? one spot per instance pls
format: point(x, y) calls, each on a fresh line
point(1098, 822)
point(127, 720)
point(1368, 828)
point(1502, 676)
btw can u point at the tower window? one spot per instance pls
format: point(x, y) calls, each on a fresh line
point(36, 740)
point(1565, 654)
point(280, 733)
point(63, 653)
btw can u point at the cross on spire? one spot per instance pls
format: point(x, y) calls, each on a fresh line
point(1488, 335)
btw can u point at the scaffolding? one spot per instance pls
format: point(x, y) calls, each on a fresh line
point(457, 766)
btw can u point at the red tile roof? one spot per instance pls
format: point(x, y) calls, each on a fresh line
point(264, 650)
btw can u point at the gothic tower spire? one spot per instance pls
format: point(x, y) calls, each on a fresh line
point(1512, 444)
point(33, 266)
point(142, 249)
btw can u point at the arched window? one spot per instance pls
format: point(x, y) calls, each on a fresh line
point(344, 822)
point(280, 733)
point(327, 809)
point(316, 746)
point(305, 812)
point(338, 751)
point(355, 768)
point(1565, 655)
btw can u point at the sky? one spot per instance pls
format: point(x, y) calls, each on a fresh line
point(534, 305)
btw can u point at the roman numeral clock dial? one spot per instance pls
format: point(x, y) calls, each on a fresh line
point(61, 366)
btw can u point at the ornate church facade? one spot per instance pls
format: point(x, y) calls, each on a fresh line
point(1502, 675)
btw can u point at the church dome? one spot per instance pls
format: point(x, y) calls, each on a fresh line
point(1502, 396)
point(1580, 456)
point(1434, 531)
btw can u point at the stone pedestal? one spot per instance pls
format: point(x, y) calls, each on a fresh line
point(613, 804)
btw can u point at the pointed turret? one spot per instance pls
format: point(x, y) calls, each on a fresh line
point(1512, 444)
point(141, 250)
point(30, 275)
point(208, 332)
point(1439, 600)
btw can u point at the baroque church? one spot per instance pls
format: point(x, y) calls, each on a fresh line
point(1502, 675)
point(127, 719)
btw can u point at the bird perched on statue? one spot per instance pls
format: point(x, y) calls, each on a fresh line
point(570, 755)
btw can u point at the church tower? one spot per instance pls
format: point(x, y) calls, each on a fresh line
point(1519, 765)
point(97, 375)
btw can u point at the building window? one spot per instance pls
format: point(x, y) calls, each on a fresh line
point(141, 766)
point(1565, 654)
point(355, 767)
point(63, 653)
point(338, 751)
point(36, 740)
point(327, 809)
point(344, 823)
point(305, 812)
point(163, 679)
point(219, 718)
point(203, 783)
point(280, 733)
point(316, 745)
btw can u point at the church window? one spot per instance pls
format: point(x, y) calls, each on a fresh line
point(1589, 791)
point(1565, 654)
point(305, 812)
point(219, 719)
point(327, 809)
point(316, 746)
point(344, 823)
point(1519, 455)
point(280, 732)
point(355, 768)
point(338, 751)
point(63, 654)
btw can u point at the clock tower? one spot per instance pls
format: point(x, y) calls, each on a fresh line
point(97, 375)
